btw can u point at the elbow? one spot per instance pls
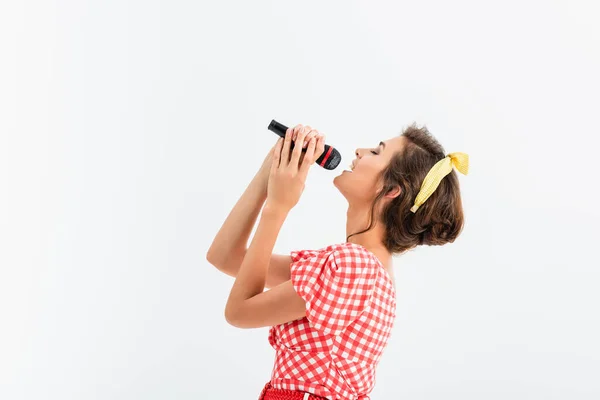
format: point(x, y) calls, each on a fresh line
point(211, 259)
point(225, 265)
point(233, 316)
point(229, 318)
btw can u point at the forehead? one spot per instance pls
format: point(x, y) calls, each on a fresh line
point(395, 143)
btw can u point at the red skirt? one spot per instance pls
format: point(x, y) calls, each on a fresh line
point(270, 393)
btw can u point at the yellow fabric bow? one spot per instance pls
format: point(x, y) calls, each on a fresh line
point(438, 172)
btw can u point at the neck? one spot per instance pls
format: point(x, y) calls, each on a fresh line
point(357, 219)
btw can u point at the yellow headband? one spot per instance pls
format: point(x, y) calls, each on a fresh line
point(438, 172)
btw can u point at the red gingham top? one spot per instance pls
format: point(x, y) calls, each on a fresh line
point(350, 312)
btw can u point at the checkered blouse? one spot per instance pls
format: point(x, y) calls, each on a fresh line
point(350, 311)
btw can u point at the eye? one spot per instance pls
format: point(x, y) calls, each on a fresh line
point(374, 152)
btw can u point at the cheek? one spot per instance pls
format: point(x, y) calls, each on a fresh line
point(366, 176)
point(370, 170)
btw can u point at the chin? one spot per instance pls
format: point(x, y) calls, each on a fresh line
point(338, 183)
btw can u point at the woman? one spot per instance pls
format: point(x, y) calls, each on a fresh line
point(331, 310)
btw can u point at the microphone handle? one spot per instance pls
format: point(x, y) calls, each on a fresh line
point(280, 129)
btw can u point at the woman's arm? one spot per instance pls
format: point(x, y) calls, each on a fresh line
point(279, 269)
point(229, 247)
point(248, 304)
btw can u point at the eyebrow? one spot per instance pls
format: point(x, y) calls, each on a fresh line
point(382, 144)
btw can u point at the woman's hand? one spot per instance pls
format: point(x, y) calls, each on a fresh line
point(289, 168)
point(265, 168)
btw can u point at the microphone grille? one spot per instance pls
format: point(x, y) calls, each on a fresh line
point(334, 159)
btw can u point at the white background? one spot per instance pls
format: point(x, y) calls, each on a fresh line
point(130, 128)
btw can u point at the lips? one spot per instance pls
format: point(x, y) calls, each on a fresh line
point(352, 166)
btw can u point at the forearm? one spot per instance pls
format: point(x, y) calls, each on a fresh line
point(251, 277)
point(232, 239)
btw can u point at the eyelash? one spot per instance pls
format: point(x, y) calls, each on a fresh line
point(374, 152)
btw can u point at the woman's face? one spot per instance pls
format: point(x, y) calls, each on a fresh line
point(360, 185)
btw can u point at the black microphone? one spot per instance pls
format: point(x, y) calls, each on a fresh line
point(330, 158)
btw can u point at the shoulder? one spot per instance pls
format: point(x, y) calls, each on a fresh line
point(347, 257)
point(341, 260)
point(362, 262)
point(346, 252)
point(337, 283)
point(354, 255)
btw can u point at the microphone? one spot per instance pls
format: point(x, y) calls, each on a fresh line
point(330, 158)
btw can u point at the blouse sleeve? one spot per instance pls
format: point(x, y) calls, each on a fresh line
point(336, 285)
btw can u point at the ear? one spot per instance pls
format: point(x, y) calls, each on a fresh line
point(393, 193)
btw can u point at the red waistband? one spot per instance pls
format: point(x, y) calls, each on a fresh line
point(270, 393)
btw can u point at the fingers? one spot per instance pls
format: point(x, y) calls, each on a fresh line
point(311, 133)
point(285, 153)
point(296, 129)
point(309, 158)
point(320, 147)
point(276, 154)
point(300, 137)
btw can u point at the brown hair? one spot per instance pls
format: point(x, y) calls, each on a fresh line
point(440, 219)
